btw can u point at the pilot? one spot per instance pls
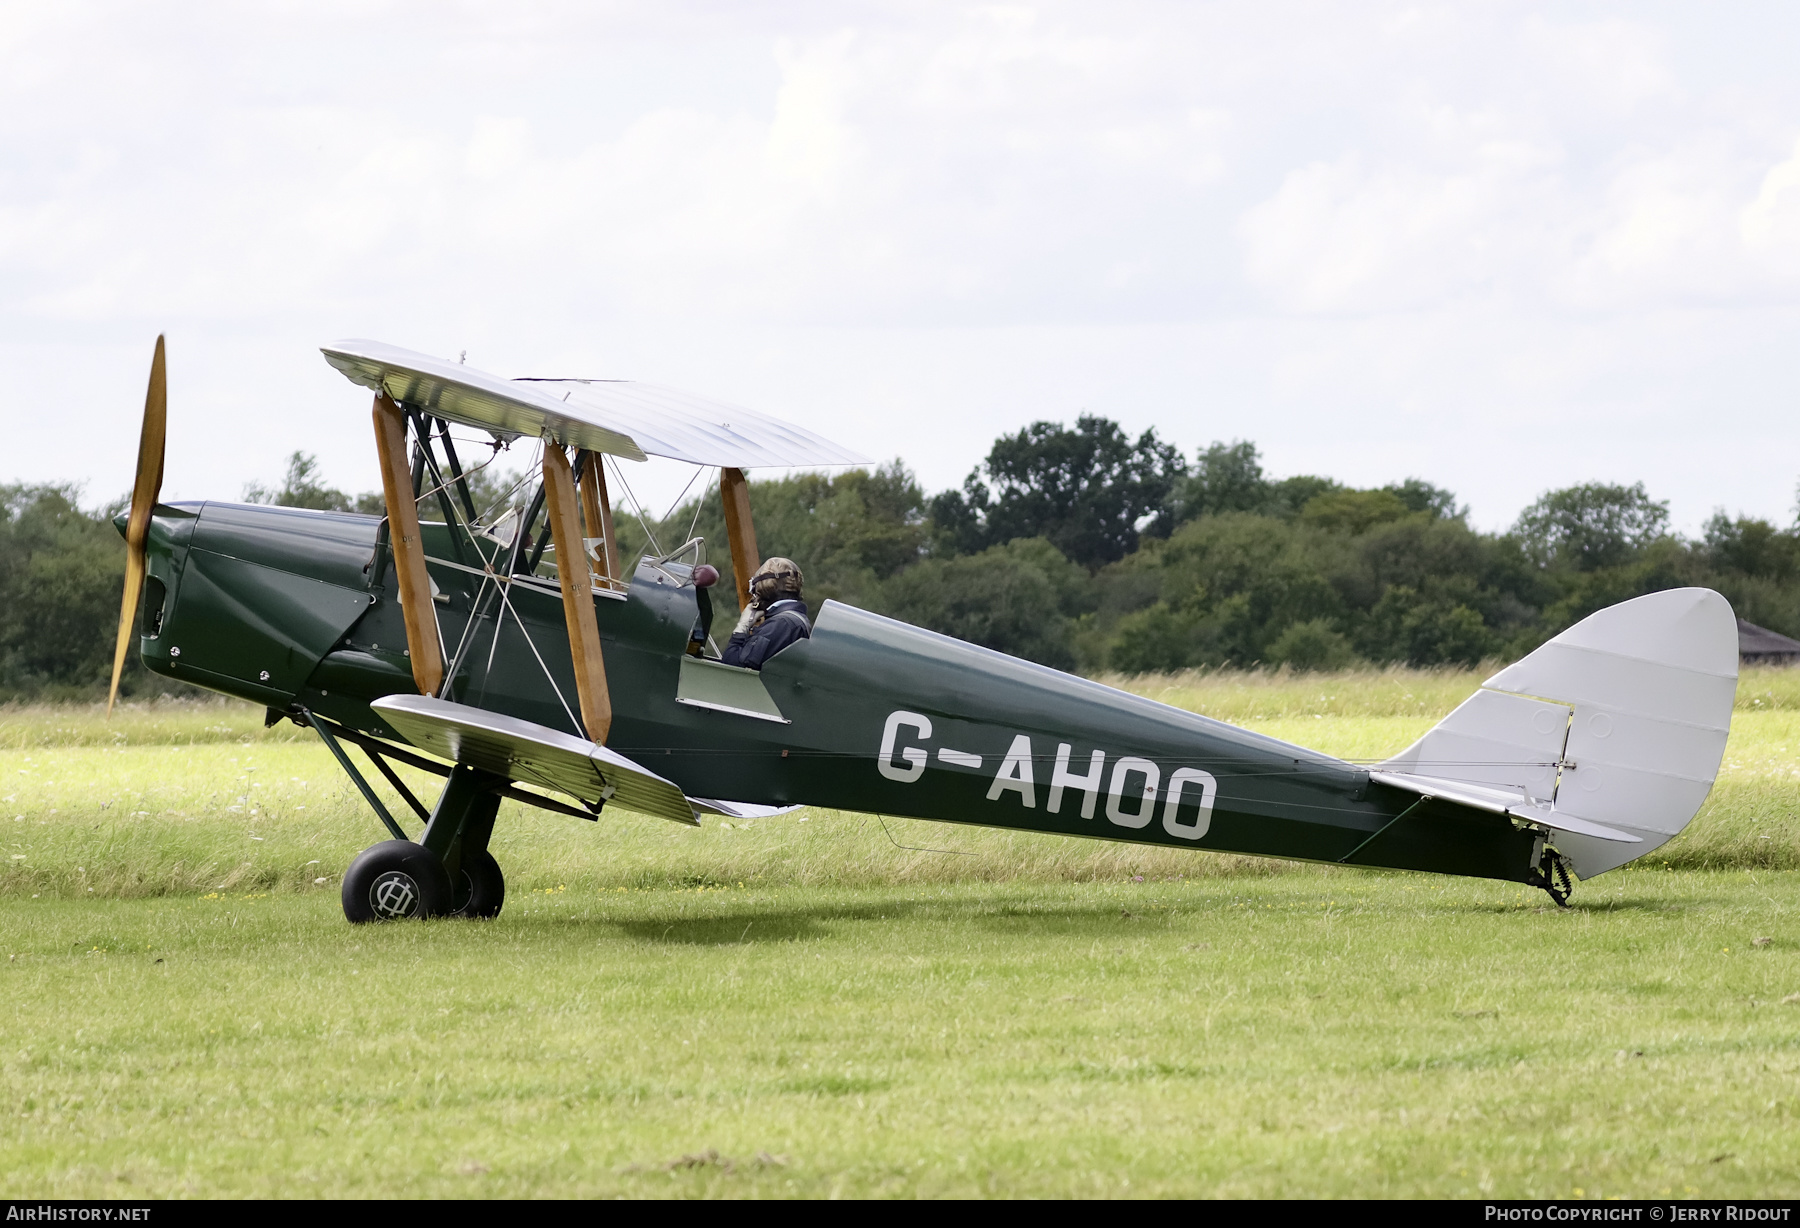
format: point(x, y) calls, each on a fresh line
point(775, 617)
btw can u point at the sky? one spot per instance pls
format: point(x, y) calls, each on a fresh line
point(1503, 247)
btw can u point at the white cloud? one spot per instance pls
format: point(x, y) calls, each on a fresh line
point(1770, 224)
point(1343, 237)
point(1381, 240)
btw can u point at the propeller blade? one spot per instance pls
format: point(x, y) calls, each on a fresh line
point(145, 488)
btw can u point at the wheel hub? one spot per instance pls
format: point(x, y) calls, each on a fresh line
point(394, 895)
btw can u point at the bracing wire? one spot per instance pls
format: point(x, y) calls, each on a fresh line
point(699, 504)
point(494, 644)
point(445, 484)
point(913, 848)
point(502, 499)
point(637, 508)
point(678, 498)
point(422, 448)
point(506, 601)
point(489, 576)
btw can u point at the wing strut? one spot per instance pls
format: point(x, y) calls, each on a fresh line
point(596, 514)
point(735, 492)
point(572, 573)
point(408, 547)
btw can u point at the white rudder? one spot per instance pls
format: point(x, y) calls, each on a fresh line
point(1611, 734)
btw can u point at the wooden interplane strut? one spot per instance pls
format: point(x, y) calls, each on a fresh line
point(408, 547)
point(561, 506)
point(735, 492)
point(596, 514)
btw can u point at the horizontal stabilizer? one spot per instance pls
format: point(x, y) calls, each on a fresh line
point(1499, 802)
point(533, 754)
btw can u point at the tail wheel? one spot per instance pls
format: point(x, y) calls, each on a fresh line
point(1554, 877)
point(395, 880)
point(480, 888)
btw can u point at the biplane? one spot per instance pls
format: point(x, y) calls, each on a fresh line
point(510, 652)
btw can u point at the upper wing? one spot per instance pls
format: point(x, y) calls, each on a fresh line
point(474, 398)
point(684, 427)
point(619, 417)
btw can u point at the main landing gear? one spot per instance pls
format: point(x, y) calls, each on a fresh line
point(448, 871)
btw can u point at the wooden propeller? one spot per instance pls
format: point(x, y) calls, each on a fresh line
point(144, 490)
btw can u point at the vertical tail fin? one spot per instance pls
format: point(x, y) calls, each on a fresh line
point(1621, 720)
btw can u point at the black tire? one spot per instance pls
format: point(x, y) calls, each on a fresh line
point(480, 889)
point(394, 881)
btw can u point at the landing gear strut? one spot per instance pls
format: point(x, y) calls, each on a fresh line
point(1552, 874)
point(448, 872)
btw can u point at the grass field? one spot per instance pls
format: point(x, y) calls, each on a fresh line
point(800, 1006)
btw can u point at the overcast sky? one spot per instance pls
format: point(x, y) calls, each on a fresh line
point(1503, 247)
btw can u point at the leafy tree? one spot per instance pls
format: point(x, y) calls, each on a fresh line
point(61, 577)
point(1591, 526)
point(1662, 564)
point(1757, 566)
point(1229, 586)
point(1417, 552)
point(1353, 511)
point(956, 520)
point(1313, 645)
point(1087, 491)
point(1226, 478)
point(492, 488)
point(1156, 639)
point(848, 532)
point(302, 487)
point(1421, 496)
point(1291, 495)
point(1750, 546)
point(1419, 629)
point(1230, 478)
point(1015, 598)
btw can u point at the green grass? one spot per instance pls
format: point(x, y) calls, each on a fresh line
point(1327, 1034)
point(796, 1006)
point(164, 722)
point(1248, 695)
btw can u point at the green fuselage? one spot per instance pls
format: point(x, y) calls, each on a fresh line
point(294, 608)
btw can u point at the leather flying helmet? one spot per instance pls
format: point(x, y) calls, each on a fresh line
point(776, 580)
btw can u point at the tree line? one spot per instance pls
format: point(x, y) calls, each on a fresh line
point(1082, 548)
point(1075, 546)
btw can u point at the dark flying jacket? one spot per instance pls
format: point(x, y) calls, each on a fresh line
point(784, 624)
